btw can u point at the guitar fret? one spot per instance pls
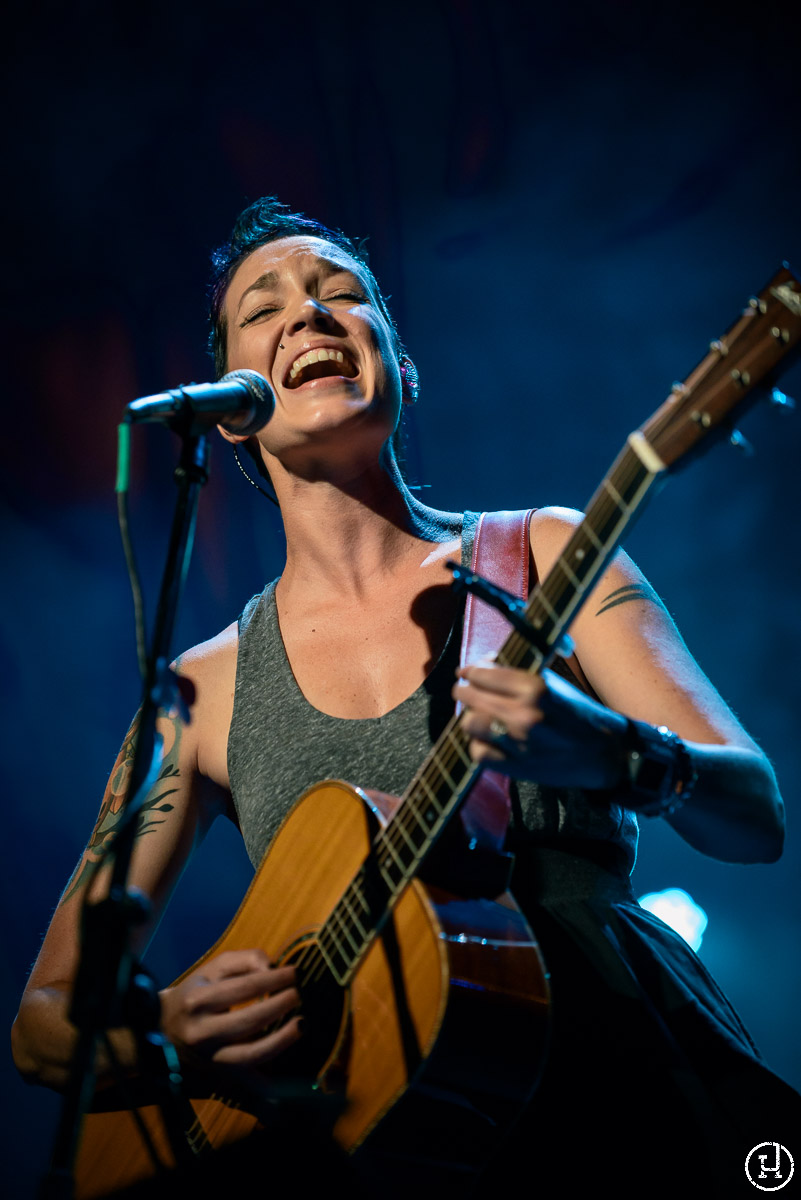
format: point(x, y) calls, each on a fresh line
point(386, 863)
point(338, 975)
point(361, 891)
point(585, 565)
point(357, 893)
point(560, 598)
point(637, 481)
point(446, 774)
point(574, 579)
point(551, 610)
point(395, 849)
point(592, 534)
point(616, 496)
point(335, 942)
point(462, 751)
point(433, 810)
point(342, 920)
point(429, 838)
point(398, 824)
point(353, 891)
point(612, 522)
point(395, 884)
point(568, 602)
point(432, 796)
point(537, 618)
point(421, 781)
point(505, 657)
point(424, 821)
point(581, 547)
point(521, 655)
point(429, 824)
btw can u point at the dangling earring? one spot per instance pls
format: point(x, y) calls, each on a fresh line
point(410, 380)
point(252, 482)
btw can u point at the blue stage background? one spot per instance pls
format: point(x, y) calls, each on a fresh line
point(566, 203)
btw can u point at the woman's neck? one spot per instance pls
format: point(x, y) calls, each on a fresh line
point(349, 535)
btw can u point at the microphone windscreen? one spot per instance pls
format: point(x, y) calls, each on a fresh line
point(262, 403)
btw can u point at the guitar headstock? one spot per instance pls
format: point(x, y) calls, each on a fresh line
point(738, 369)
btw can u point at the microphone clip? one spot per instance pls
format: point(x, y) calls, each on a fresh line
point(512, 608)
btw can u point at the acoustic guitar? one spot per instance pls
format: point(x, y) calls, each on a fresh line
point(427, 1010)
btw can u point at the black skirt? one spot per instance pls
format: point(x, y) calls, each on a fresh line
point(652, 1085)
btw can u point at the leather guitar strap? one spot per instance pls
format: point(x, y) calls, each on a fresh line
point(501, 555)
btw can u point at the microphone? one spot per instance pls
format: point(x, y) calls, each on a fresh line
point(242, 402)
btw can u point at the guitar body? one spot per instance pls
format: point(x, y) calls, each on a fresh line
point(438, 1039)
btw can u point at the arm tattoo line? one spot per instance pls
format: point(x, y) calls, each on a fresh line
point(631, 591)
point(112, 808)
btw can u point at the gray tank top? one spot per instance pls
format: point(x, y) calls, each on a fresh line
point(279, 745)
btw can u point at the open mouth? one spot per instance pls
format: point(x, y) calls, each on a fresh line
point(321, 363)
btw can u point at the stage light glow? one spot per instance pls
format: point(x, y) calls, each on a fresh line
point(678, 910)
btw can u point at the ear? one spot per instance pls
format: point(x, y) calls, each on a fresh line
point(235, 439)
point(410, 380)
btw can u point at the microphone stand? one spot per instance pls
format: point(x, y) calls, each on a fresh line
point(111, 989)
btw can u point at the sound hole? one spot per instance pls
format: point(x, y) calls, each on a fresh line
point(316, 1062)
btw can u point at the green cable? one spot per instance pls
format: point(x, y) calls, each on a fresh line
point(123, 457)
point(121, 488)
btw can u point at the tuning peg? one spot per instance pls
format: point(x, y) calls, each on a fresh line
point(781, 401)
point(741, 443)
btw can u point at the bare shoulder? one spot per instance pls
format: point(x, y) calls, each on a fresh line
point(212, 660)
point(210, 669)
point(549, 531)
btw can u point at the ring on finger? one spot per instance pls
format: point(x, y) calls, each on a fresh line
point(498, 729)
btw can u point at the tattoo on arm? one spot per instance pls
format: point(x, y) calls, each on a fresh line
point(112, 807)
point(631, 591)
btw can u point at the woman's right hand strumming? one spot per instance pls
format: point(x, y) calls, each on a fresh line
point(234, 1011)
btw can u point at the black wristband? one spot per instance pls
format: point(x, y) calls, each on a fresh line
point(658, 775)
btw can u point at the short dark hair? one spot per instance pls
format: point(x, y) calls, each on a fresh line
point(267, 220)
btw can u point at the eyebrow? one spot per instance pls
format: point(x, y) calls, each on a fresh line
point(270, 278)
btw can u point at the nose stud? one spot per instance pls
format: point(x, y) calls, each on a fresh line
point(280, 345)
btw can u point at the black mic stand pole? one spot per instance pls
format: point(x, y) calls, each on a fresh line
point(111, 990)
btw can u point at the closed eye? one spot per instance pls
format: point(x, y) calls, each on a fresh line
point(357, 296)
point(268, 310)
point(260, 312)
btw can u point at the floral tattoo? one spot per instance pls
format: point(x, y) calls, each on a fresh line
point(151, 814)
